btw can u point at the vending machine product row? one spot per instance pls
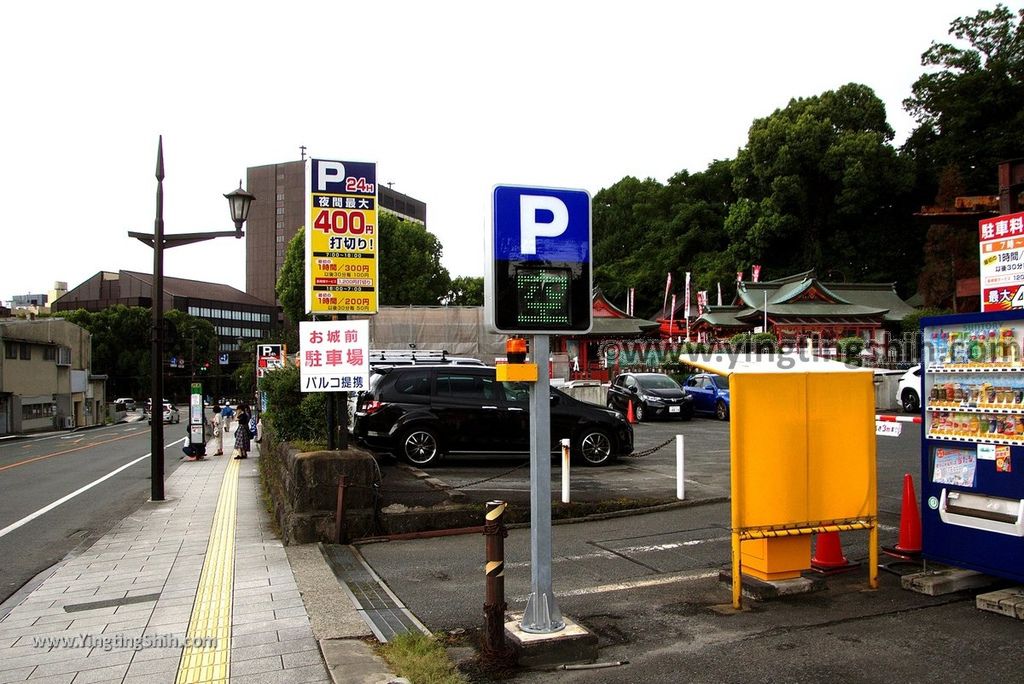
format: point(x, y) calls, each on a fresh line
point(972, 447)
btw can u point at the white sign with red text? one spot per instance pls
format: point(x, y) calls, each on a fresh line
point(1001, 244)
point(334, 356)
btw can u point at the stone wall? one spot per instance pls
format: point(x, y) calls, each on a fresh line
point(303, 491)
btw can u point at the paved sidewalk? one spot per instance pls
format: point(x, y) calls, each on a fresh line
point(202, 565)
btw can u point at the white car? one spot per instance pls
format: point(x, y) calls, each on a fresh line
point(909, 391)
point(129, 403)
point(171, 414)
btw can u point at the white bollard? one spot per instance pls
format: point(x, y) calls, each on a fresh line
point(680, 485)
point(565, 471)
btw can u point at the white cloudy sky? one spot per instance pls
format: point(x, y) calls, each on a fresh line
point(449, 98)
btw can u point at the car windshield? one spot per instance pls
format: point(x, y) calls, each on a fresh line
point(656, 382)
point(722, 381)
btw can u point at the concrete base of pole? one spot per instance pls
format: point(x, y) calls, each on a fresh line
point(573, 644)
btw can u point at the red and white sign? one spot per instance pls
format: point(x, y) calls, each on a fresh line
point(334, 356)
point(1001, 255)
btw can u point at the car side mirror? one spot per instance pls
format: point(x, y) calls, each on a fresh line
point(633, 390)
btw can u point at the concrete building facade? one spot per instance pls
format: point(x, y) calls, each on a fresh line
point(45, 377)
point(236, 316)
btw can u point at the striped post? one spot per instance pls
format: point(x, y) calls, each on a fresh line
point(494, 601)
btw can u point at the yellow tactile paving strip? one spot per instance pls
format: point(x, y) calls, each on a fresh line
point(207, 656)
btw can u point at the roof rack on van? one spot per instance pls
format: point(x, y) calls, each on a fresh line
point(408, 356)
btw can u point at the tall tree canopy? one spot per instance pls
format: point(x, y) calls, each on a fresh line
point(969, 104)
point(817, 181)
point(465, 291)
point(644, 230)
point(410, 263)
point(121, 347)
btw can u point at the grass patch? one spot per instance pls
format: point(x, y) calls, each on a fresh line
point(307, 446)
point(420, 659)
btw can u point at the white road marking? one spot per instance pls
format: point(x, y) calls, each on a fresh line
point(626, 550)
point(635, 584)
point(64, 499)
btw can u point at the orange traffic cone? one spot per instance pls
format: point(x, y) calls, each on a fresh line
point(630, 417)
point(909, 545)
point(828, 555)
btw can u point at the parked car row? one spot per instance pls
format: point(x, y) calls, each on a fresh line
point(656, 395)
point(422, 413)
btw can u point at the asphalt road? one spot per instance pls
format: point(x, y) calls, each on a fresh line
point(35, 472)
point(648, 586)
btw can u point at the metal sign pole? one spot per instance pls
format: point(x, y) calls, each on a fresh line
point(542, 615)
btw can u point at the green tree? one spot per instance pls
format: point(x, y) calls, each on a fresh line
point(465, 291)
point(644, 230)
point(410, 263)
point(969, 104)
point(816, 183)
point(121, 347)
point(410, 270)
point(291, 281)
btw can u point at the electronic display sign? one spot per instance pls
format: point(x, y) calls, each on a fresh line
point(540, 278)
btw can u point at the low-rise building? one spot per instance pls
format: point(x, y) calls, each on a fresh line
point(236, 316)
point(45, 377)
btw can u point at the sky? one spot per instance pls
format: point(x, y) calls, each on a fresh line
point(448, 98)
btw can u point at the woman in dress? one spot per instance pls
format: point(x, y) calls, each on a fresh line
point(242, 435)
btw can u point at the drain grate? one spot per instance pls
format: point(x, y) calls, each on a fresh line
point(382, 611)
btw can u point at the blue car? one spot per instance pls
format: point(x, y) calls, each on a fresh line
point(710, 394)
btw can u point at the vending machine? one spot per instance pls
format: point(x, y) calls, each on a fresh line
point(972, 446)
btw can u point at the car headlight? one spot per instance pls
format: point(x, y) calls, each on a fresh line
point(650, 400)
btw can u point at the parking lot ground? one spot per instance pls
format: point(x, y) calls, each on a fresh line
point(648, 476)
point(648, 586)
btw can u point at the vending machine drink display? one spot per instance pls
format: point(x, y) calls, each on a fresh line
point(972, 450)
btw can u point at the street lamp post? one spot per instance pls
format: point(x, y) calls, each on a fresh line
point(239, 201)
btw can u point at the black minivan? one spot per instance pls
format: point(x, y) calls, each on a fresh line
point(420, 413)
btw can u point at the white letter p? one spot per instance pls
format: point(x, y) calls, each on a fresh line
point(530, 229)
point(329, 172)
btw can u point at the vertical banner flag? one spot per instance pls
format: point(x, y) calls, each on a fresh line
point(632, 300)
point(687, 296)
point(672, 317)
point(702, 301)
point(719, 294)
point(755, 272)
point(341, 237)
point(668, 284)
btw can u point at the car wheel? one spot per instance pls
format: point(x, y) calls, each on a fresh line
point(594, 447)
point(638, 412)
point(721, 410)
point(911, 404)
point(419, 446)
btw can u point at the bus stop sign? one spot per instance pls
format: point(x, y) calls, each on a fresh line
point(539, 279)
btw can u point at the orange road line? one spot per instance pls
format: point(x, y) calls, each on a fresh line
point(66, 451)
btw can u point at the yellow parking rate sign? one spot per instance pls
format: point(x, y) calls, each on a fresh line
point(341, 237)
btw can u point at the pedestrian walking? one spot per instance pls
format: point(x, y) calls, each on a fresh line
point(225, 422)
point(242, 434)
point(218, 435)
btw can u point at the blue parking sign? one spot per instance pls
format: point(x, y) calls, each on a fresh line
point(540, 277)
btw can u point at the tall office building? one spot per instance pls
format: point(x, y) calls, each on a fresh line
point(278, 213)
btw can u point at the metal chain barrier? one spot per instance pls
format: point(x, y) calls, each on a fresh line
point(648, 452)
